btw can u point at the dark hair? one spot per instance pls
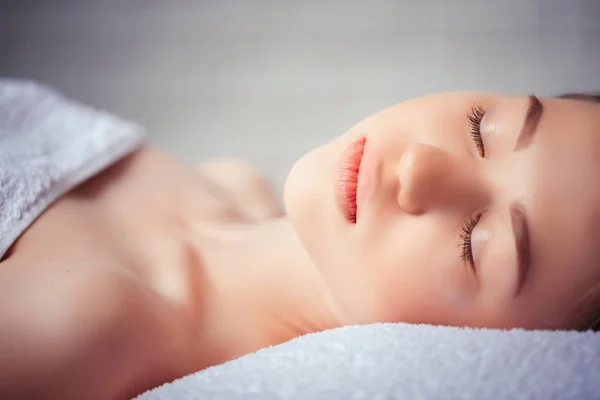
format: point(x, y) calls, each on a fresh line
point(588, 309)
point(592, 97)
point(587, 312)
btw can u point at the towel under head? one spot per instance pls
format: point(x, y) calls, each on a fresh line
point(401, 361)
point(48, 145)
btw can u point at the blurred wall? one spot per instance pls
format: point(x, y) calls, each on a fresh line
point(269, 80)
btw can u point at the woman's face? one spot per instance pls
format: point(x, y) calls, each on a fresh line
point(472, 209)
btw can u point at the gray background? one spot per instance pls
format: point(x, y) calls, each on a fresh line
point(269, 80)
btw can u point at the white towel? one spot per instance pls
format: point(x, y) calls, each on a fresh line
point(400, 361)
point(48, 145)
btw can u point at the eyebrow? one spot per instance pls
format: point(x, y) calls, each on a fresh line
point(522, 242)
point(532, 119)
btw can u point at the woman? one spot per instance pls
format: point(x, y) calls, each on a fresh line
point(454, 209)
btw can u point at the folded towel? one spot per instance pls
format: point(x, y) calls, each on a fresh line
point(400, 361)
point(48, 145)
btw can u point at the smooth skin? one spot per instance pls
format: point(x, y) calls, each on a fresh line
point(153, 270)
point(402, 260)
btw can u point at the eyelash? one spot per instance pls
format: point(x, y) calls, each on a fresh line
point(465, 239)
point(474, 117)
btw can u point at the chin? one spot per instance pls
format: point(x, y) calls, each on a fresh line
point(310, 203)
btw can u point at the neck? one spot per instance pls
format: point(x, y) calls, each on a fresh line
point(267, 283)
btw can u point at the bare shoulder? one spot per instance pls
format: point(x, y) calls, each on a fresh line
point(69, 330)
point(246, 186)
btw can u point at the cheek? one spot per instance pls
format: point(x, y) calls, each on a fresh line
point(383, 281)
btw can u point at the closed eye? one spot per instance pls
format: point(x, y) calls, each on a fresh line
point(474, 116)
point(466, 247)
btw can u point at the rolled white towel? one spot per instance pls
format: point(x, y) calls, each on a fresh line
point(48, 145)
point(401, 361)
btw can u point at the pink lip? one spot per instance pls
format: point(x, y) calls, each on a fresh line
point(367, 176)
point(350, 187)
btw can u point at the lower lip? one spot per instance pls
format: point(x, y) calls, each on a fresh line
point(346, 179)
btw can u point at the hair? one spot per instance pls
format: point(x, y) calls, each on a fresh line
point(591, 97)
point(587, 311)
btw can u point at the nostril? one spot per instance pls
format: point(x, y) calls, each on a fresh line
point(405, 190)
point(407, 203)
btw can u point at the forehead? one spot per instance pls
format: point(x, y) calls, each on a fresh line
point(565, 157)
point(563, 179)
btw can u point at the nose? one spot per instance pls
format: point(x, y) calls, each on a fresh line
point(431, 177)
